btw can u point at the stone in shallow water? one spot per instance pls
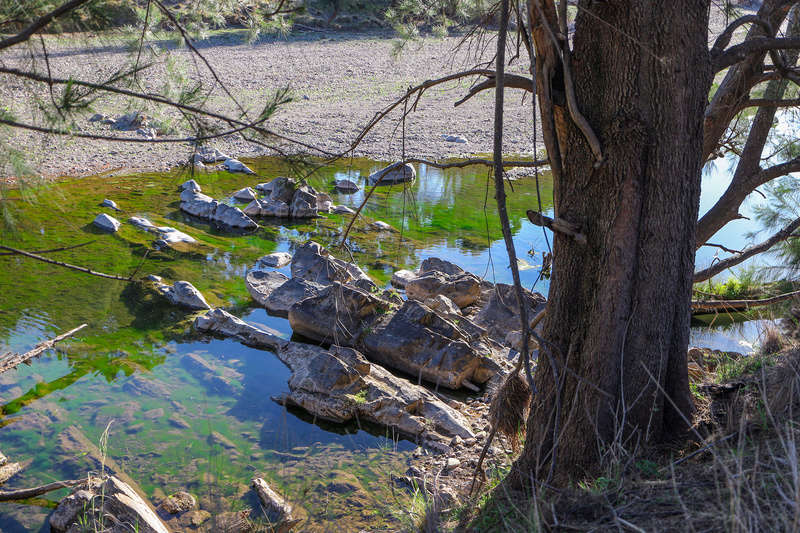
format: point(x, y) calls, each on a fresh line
point(107, 223)
point(394, 173)
point(178, 503)
point(234, 165)
point(261, 283)
point(190, 185)
point(245, 195)
point(343, 210)
point(274, 260)
point(379, 225)
point(463, 289)
point(183, 294)
point(348, 186)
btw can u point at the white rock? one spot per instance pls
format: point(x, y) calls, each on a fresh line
point(191, 185)
point(247, 194)
point(343, 210)
point(381, 226)
point(110, 203)
point(452, 463)
point(454, 138)
point(401, 277)
point(274, 260)
point(234, 165)
point(347, 186)
point(107, 223)
point(172, 235)
point(206, 154)
point(141, 223)
point(184, 294)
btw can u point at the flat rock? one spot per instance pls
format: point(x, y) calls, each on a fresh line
point(183, 294)
point(347, 186)
point(274, 260)
point(394, 173)
point(203, 206)
point(167, 234)
point(282, 298)
point(106, 223)
point(261, 283)
point(343, 210)
point(401, 277)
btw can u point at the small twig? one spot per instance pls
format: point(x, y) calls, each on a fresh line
point(65, 265)
point(13, 360)
point(557, 225)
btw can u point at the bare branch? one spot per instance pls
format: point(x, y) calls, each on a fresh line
point(721, 247)
point(509, 80)
point(733, 306)
point(750, 251)
point(65, 265)
point(558, 225)
point(777, 171)
point(724, 38)
point(40, 23)
point(754, 45)
point(770, 102)
point(24, 494)
point(50, 250)
point(9, 361)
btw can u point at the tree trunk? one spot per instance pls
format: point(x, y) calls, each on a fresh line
point(617, 324)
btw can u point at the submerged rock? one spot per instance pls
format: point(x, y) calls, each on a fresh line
point(101, 501)
point(394, 173)
point(106, 223)
point(339, 384)
point(178, 503)
point(183, 294)
point(276, 510)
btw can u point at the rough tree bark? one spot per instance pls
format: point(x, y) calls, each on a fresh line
point(617, 324)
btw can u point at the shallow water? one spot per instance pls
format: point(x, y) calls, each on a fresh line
point(131, 366)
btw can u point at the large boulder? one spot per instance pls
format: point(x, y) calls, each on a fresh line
point(283, 297)
point(347, 186)
point(261, 283)
point(232, 217)
point(434, 264)
point(421, 343)
point(202, 206)
point(192, 185)
point(313, 262)
point(280, 189)
point(106, 223)
point(337, 314)
point(500, 315)
point(463, 289)
point(304, 203)
point(111, 506)
point(394, 173)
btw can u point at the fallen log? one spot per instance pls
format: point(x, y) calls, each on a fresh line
point(65, 265)
point(12, 360)
point(700, 307)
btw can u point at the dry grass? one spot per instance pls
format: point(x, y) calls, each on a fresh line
point(509, 408)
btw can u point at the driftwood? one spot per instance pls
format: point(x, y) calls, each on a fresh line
point(24, 494)
point(557, 225)
point(732, 306)
point(12, 360)
point(65, 265)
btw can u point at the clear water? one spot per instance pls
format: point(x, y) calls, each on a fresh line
point(129, 365)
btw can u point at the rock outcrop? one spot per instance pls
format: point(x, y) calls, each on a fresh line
point(339, 384)
point(463, 289)
point(313, 262)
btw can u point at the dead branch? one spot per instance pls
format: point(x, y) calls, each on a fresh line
point(710, 306)
point(753, 45)
point(724, 38)
point(557, 225)
point(51, 250)
point(24, 494)
point(40, 23)
point(65, 265)
point(750, 251)
point(509, 80)
point(770, 102)
point(723, 248)
point(9, 361)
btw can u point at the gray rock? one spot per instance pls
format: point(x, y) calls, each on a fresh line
point(261, 283)
point(191, 185)
point(234, 165)
point(267, 208)
point(422, 343)
point(339, 384)
point(443, 305)
point(97, 117)
point(337, 314)
point(347, 186)
point(280, 189)
point(94, 506)
point(500, 315)
point(314, 263)
point(232, 217)
point(167, 234)
point(463, 289)
point(253, 209)
point(110, 203)
point(178, 503)
point(401, 277)
point(106, 223)
point(304, 203)
point(183, 294)
point(276, 510)
point(203, 206)
point(394, 173)
point(379, 225)
point(454, 139)
point(131, 121)
point(209, 155)
point(283, 297)
point(274, 260)
point(343, 210)
point(245, 195)
point(324, 202)
point(434, 264)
